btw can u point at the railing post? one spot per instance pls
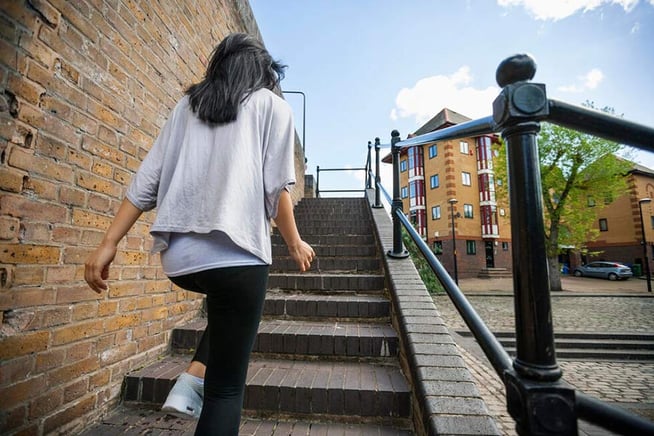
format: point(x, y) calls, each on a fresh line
point(369, 166)
point(398, 251)
point(537, 398)
point(378, 204)
point(318, 181)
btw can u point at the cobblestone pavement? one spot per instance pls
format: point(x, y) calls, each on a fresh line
point(586, 305)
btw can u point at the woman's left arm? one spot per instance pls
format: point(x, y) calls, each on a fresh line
point(96, 267)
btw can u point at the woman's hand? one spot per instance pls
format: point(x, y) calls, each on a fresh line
point(302, 254)
point(96, 267)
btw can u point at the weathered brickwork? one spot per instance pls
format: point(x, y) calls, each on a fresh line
point(85, 87)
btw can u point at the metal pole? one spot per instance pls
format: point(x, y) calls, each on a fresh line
point(318, 181)
point(369, 167)
point(304, 115)
point(537, 398)
point(378, 204)
point(398, 251)
point(452, 202)
point(642, 226)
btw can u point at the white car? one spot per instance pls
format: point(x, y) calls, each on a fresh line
point(604, 270)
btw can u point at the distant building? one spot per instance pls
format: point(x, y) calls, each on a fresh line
point(620, 230)
point(435, 174)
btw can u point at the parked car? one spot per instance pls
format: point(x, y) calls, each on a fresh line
point(604, 270)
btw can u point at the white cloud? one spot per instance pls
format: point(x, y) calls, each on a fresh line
point(559, 9)
point(590, 80)
point(431, 94)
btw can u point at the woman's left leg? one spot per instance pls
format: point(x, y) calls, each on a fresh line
point(235, 298)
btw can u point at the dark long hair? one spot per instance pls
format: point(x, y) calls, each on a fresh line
point(239, 66)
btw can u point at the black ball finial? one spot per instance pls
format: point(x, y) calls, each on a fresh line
point(517, 68)
point(395, 133)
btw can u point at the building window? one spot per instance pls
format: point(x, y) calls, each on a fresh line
point(436, 212)
point(471, 247)
point(608, 199)
point(403, 165)
point(464, 147)
point(591, 201)
point(433, 181)
point(404, 192)
point(433, 151)
point(505, 246)
point(438, 247)
point(651, 220)
point(466, 179)
point(467, 210)
point(603, 225)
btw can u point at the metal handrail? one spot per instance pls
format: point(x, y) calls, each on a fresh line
point(537, 398)
point(318, 170)
point(493, 349)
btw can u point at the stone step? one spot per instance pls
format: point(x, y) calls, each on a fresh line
point(330, 263)
point(293, 387)
point(364, 250)
point(134, 420)
point(594, 346)
point(373, 283)
point(308, 338)
point(312, 338)
point(333, 388)
point(329, 240)
point(316, 306)
point(332, 229)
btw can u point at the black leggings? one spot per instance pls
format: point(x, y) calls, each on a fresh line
point(235, 298)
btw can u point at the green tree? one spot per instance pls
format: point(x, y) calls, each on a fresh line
point(580, 174)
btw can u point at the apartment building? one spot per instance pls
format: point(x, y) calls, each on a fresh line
point(620, 226)
point(448, 192)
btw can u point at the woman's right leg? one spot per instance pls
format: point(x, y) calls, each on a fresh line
point(235, 298)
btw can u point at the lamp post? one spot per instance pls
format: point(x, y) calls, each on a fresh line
point(304, 116)
point(452, 202)
point(642, 226)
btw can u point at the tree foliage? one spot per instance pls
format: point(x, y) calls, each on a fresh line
point(580, 174)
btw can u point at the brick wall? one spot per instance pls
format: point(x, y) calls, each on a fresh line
point(84, 88)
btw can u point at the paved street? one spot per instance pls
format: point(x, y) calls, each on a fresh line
point(585, 305)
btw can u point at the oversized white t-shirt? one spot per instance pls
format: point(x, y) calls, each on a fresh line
point(226, 178)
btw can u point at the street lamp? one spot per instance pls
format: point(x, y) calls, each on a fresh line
point(642, 226)
point(304, 116)
point(452, 202)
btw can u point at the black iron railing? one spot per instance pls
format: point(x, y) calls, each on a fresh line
point(318, 170)
point(539, 400)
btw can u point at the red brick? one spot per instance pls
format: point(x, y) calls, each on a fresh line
point(72, 371)
point(48, 146)
point(28, 274)
point(72, 196)
point(22, 344)
point(43, 404)
point(35, 232)
point(76, 390)
point(25, 297)
point(49, 359)
point(22, 391)
point(13, 418)
point(107, 308)
point(42, 189)
point(118, 353)
point(22, 207)
point(25, 89)
point(99, 203)
point(99, 379)
point(77, 409)
point(85, 311)
point(76, 294)
point(17, 369)
point(20, 253)
point(98, 184)
point(47, 12)
point(76, 332)
point(65, 234)
point(122, 321)
point(9, 228)
point(11, 180)
point(50, 317)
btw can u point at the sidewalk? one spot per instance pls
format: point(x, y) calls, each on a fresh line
point(569, 283)
point(586, 304)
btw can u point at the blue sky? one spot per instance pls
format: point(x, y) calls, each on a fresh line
point(370, 66)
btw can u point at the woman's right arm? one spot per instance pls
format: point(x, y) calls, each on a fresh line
point(96, 267)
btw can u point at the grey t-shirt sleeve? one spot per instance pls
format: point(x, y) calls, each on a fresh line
point(278, 162)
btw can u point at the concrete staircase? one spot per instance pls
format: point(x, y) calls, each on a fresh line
point(594, 346)
point(326, 355)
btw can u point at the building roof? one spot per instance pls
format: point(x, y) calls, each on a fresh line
point(445, 118)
